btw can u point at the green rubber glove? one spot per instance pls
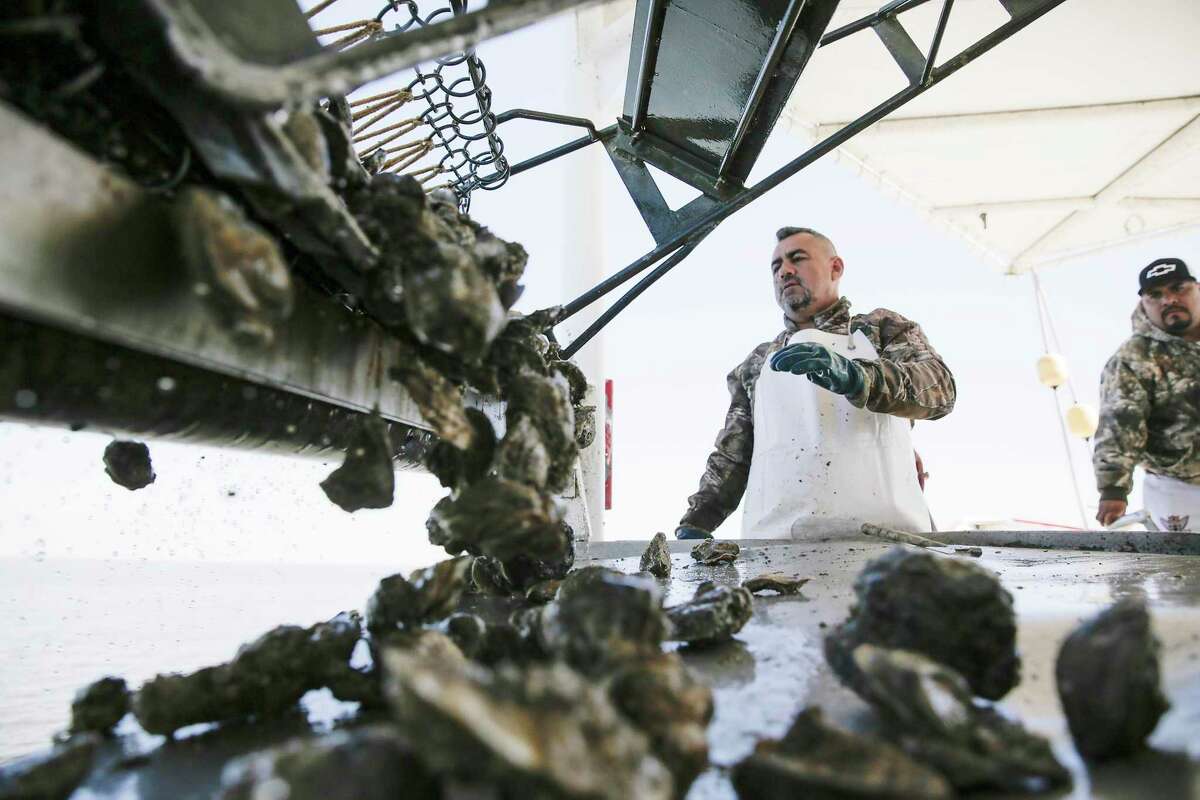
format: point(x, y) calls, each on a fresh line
point(687, 532)
point(820, 365)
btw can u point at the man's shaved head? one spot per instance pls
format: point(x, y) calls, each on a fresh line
point(790, 230)
point(806, 270)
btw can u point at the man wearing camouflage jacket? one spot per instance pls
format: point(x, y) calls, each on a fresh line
point(834, 451)
point(1150, 404)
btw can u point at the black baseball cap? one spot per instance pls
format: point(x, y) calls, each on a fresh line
point(1162, 271)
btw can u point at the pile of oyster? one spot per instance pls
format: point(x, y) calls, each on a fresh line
point(569, 697)
point(930, 641)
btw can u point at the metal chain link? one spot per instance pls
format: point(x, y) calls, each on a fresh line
point(455, 126)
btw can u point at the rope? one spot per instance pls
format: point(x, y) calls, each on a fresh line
point(1046, 327)
point(411, 154)
point(318, 8)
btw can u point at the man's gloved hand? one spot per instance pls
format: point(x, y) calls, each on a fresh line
point(684, 532)
point(820, 365)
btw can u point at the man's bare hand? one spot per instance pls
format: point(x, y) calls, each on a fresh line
point(921, 473)
point(1110, 511)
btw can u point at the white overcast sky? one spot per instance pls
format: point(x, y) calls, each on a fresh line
point(999, 455)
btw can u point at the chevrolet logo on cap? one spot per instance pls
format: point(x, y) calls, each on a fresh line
point(1162, 272)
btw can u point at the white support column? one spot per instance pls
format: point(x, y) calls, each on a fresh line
point(584, 257)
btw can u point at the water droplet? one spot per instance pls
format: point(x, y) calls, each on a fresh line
point(166, 384)
point(201, 289)
point(26, 398)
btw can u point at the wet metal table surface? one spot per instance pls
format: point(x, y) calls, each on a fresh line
point(775, 667)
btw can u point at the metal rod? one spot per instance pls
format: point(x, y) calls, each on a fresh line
point(891, 9)
point(649, 57)
point(627, 298)
point(937, 39)
point(570, 147)
point(328, 73)
point(745, 197)
point(783, 36)
point(545, 116)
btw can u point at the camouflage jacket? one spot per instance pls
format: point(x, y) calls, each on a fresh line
point(909, 379)
point(1149, 410)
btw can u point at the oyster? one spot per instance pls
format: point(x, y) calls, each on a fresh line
point(128, 464)
point(816, 760)
point(710, 552)
point(99, 706)
point(660, 696)
point(543, 591)
point(714, 615)
point(931, 710)
point(492, 643)
point(538, 732)
point(503, 262)
point(951, 610)
point(52, 775)
point(427, 595)
point(439, 400)
point(575, 379)
point(457, 467)
point(235, 263)
point(602, 617)
point(522, 455)
point(502, 519)
point(657, 558)
point(266, 677)
point(585, 426)
point(366, 478)
point(368, 763)
point(775, 582)
point(488, 577)
point(545, 402)
point(521, 347)
point(1108, 681)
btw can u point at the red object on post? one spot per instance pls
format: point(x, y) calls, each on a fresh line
point(608, 443)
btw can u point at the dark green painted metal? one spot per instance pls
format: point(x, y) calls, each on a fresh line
point(706, 64)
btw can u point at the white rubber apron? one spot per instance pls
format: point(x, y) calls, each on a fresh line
point(820, 466)
point(1174, 504)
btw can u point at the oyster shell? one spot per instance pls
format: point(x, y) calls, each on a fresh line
point(427, 595)
point(368, 763)
point(602, 617)
point(366, 478)
point(52, 775)
point(99, 706)
point(710, 552)
point(816, 760)
point(237, 264)
point(951, 610)
point(1108, 681)
point(662, 698)
point(128, 464)
point(266, 677)
point(537, 732)
point(931, 710)
point(657, 558)
point(503, 519)
point(712, 616)
point(775, 582)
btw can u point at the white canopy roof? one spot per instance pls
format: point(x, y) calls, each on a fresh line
point(1080, 132)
